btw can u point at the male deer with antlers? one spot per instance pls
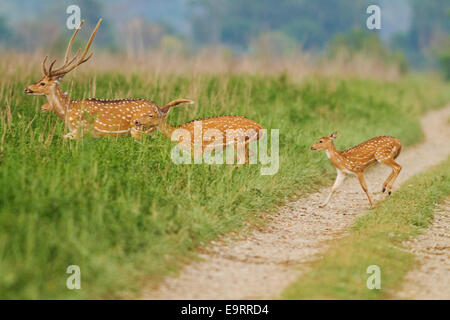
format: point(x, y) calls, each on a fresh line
point(356, 159)
point(98, 116)
point(233, 131)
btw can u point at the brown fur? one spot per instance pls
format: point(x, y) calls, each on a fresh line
point(241, 125)
point(99, 117)
point(356, 159)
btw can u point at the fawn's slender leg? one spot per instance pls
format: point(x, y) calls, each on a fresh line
point(396, 168)
point(362, 181)
point(339, 179)
point(248, 153)
point(387, 181)
point(386, 162)
point(240, 158)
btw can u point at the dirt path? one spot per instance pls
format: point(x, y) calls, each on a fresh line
point(262, 264)
point(431, 280)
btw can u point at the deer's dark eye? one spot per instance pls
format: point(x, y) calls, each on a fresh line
point(42, 83)
point(320, 141)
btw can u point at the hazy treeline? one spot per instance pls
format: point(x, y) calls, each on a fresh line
point(418, 30)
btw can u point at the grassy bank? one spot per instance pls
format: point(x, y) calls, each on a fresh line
point(376, 239)
point(121, 210)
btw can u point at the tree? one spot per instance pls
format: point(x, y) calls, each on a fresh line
point(6, 34)
point(311, 23)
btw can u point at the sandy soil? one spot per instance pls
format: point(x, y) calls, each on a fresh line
point(263, 263)
point(431, 279)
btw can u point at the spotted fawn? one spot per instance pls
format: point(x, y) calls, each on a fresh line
point(234, 130)
point(356, 159)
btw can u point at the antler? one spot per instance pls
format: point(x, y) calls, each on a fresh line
point(69, 65)
point(44, 69)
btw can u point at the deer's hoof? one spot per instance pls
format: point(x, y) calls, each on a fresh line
point(389, 193)
point(383, 190)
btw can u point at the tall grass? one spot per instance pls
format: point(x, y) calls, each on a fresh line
point(123, 212)
point(221, 61)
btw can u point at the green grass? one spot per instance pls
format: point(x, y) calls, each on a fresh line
point(123, 212)
point(376, 239)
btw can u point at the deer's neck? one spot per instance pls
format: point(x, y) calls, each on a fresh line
point(59, 101)
point(334, 155)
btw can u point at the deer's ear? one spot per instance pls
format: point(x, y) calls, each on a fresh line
point(162, 111)
point(333, 135)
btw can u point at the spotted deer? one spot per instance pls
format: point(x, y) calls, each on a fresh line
point(234, 130)
point(356, 159)
point(99, 117)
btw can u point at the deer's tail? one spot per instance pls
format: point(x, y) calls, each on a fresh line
point(173, 103)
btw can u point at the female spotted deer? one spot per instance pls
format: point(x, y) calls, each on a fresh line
point(356, 159)
point(99, 117)
point(234, 130)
